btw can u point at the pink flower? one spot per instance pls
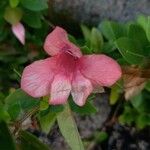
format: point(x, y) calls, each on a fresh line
point(19, 31)
point(68, 71)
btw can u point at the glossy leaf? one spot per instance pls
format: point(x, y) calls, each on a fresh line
point(69, 129)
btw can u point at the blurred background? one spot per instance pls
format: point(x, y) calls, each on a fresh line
point(111, 122)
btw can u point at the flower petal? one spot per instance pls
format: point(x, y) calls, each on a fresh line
point(81, 89)
point(100, 69)
point(37, 77)
point(60, 90)
point(19, 31)
point(57, 41)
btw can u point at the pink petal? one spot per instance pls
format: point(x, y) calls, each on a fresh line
point(60, 89)
point(57, 41)
point(37, 77)
point(19, 31)
point(81, 89)
point(100, 69)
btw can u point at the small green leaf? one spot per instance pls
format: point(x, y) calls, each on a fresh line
point(29, 142)
point(35, 5)
point(88, 108)
point(147, 86)
point(13, 15)
point(128, 116)
point(6, 140)
point(32, 19)
point(4, 115)
point(47, 121)
point(142, 21)
point(130, 50)
point(108, 47)
point(141, 102)
point(44, 104)
point(72, 39)
point(56, 109)
point(142, 121)
point(148, 29)
point(14, 3)
point(101, 136)
point(86, 50)
point(114, 94)
point(96, 40)
point(136, 101)
point(112, 30)
point(86, 33)
point(69, 129)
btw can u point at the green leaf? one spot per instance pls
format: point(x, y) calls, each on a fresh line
point(13, 15)
point(35, 5)
point(142, 21)
point(44, 103)
point(88, 108)
point(56, 109)
point(147, 86)
point(96, 40)
point(14, 3)
point(137, 33)
point(30, 142)
point(129, 115)
point(19, 102)
point(112, 30)
point(4, 115)
point(86, 32)
point(114, 94)
point(148, 29)
point(108, 47)
point(32, 19)
point(137, 101)
point(69, 129)
point(130, 50)
point(141, 102)
point(86, 50)
point(142, 121)
point(6, 140)
point(101, 136)
point(72, 39)
point(47, 121)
